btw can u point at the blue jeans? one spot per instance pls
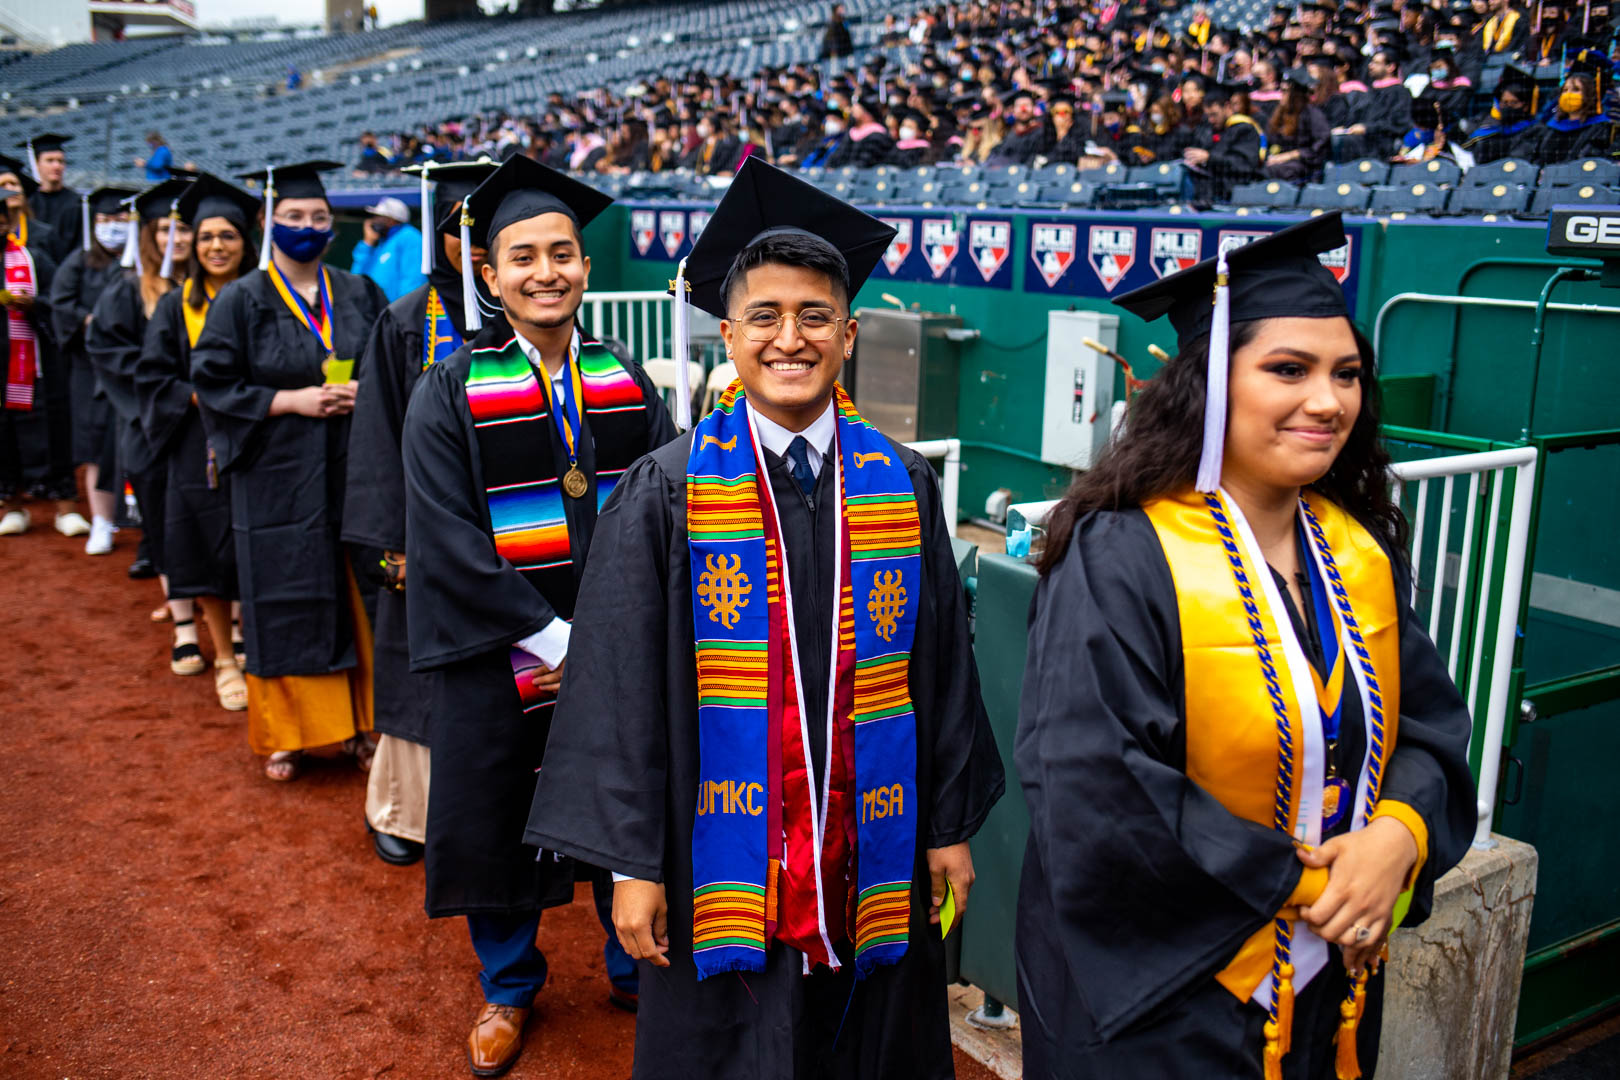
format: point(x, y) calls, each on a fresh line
point(514, 968)
point(621, 967)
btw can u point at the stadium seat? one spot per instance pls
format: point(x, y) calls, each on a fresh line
point(1496, 199)
point(1421, 198)
point(1367, 171)
point(1027, 193)
point(1503, 171)
point(1274, 194)
point(1075, 195)
point(1583, 194)
point(1340, 196)
point(1112, 173)
point(1585, 171)
point(1166, 176)
point(1433, 172)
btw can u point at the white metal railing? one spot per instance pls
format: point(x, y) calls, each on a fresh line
point(641, 320)
point(1487, 579)
point(1496, 565)
point(950, 450)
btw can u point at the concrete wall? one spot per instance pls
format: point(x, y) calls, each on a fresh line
point(1452, 989)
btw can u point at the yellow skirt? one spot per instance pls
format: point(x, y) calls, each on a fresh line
point(301, 712)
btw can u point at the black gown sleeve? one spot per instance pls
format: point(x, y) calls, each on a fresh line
point(374, 501)
point(67, 311)
point(45, 265)
point(117, 335)
point(611, 721)
point(463, 598)
point(1152, 882)
point(1428, 769)
point(234, 409)
point(160, 381)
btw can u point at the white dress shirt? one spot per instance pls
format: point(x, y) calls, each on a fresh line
point(550, 642)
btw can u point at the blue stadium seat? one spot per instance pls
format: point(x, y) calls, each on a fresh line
point(1368, 171)
point(1501, 171)
point(1432, 172)
point(1076, 194)
point(1575, 195)
point(1112, 173)
point(1495, 199)
point(1585, 171)
point(1420, 198)
point(1166, 176)
point(1273, 194)
point(1341, 196)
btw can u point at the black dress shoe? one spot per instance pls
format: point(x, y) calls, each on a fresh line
point(142, 568)
point(394, 851)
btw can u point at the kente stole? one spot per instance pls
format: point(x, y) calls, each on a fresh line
point(1246, 727)
point(22, 353)
point(515, 432)
point(764, 861)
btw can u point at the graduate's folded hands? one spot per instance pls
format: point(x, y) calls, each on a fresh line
point(1366, 872)
point(641, 920)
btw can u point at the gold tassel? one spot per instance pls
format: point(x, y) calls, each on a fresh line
point(1285, 1009)
point(772, 868)
point(1346, 1065)
point(1361, 996)
point(1274, 1054)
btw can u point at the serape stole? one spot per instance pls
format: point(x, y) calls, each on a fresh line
point(22, 353)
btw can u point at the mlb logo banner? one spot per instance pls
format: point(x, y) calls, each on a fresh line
point(1174, 250)
point(1111, 250)
point(990, 248)
point(900, 248)
point(1338, 261)
point(1054, 248)
point(696, 222)
point(1229, 240)
point(941, 243)
point(672, 231)
point(643, 230)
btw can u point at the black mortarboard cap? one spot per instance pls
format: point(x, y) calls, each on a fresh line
point(45, 142)
point(1115, 99)
point(764, 199)
point(110, 200)
point(452, 183)
point(210, 197)
point(1516, 79)
point(1300, 78)
point(1274, 277)
point(157, 201)
point(296, 180)
point(522, 189)
point(1008, 97)
point(25, 179)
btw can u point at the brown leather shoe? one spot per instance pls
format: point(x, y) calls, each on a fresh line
point(496, 1039)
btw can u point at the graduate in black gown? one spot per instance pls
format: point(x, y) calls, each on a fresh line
point(269, 374)
point(28, 465)
point(26, 228)
point(80, 281)
point(644, 773)
point(1511, 115)
point(510, 446)
point(56, 204)
point(1232, 151)
point(415, 332)
point(154, 264)
point(198, 549)
point(1230, 807)
point(1577, 128)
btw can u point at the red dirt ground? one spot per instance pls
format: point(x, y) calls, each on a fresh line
point(167, 912)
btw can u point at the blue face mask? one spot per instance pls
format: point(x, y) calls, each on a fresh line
point(300, 245)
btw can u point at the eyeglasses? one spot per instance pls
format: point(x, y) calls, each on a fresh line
point(813, 325)
point(297, 220)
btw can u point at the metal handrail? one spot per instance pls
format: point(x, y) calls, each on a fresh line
point(950, 450)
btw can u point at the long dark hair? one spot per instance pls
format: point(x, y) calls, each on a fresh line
point(199, 277)
point(1157, 454)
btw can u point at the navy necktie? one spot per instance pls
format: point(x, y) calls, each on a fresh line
point(798, 452)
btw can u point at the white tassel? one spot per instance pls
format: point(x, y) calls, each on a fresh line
point(131, 259)
point(84, 219)
point(469, 293)
point(167, 270)
point(33, 162)
point(682, 348)
point(269, 211)
point(1220, 343)
point(429, 238)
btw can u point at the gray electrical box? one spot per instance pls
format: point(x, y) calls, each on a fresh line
point(905, 379)
point(1076, 414)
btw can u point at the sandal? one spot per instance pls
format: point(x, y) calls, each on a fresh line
point(282, 765)
point(230, 685)
point(237, 645)
point(187, 660)
point(361, 749)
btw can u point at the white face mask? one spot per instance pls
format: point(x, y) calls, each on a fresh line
point(112, 234)
point(833, 127)
point(908, 132)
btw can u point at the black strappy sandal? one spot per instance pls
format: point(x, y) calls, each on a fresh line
point(187, 659)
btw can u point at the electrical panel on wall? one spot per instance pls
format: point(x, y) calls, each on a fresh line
point(1076, 413)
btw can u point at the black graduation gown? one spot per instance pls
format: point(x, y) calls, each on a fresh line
point(1544, 144)
point(621, 774)
point(1234, 158)
point(1387, 115)
point(31, 457)
point(1020, 148)
point(74, 293)
point(287, 472)
point(1311, 138)
point(1121, 929)
point(374, 499)
point(64, 213)
point(115, 339)
point(199, 552)
point(466, 607)
point(1493, 143)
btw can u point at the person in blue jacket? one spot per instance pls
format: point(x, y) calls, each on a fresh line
point(391, 253)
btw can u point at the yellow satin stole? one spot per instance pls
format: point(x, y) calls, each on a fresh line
point(195, 317)
point(1231, 728)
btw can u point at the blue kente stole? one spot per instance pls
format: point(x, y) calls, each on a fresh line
point(440, 337)
point(746, 661)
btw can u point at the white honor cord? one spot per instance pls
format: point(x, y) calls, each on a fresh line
point(818, 815)
point(681, 333)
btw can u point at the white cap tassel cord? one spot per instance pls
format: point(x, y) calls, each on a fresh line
point(131, 259)
point(167, 270)
point(429, 237)
point(33, 162)
point(84, 219)
point(469, 293)
point(269, 211)
point(1220, 343)
point(681, 332)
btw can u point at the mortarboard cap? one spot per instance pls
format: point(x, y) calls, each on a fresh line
point(210, 197)
point(25, 177)
point(159, 200)
point(298, 180)
point(1300, 78)
point(45, 142)
point(1278, 276)
point(1517, 80)
point(445, 186)
point(110, 200)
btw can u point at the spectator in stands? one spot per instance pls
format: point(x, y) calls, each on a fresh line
point(867, 143)
point(1505, 32)
point(984, 135)
point(719, 152)
point(836, 41)
point(54, 202)
point(628, 151)
point(1448, 87)
point(586, 148)
point(1297, 135)
point(1575, 130)
point(1426, 139)
point(1026, 132)
point(1512, 115)
point(1267, 86)
point(373, 158)
point(1065, 141)
point(391, 252)
point(157, 163)
point(1233, 151)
